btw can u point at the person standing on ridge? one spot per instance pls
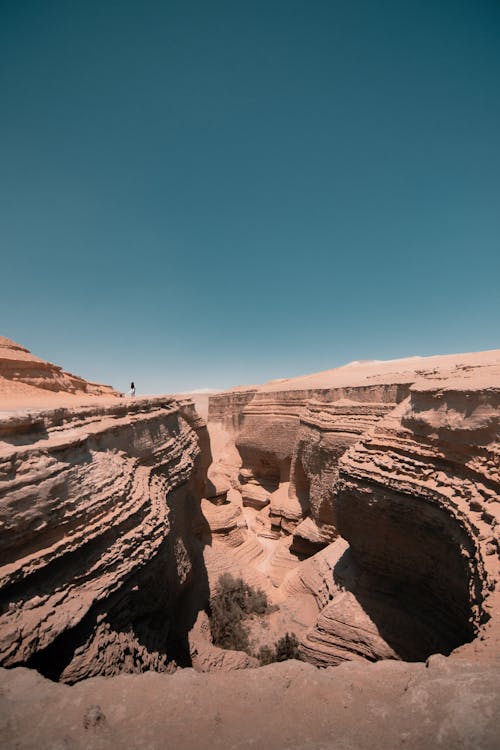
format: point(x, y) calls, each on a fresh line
point(132, 389)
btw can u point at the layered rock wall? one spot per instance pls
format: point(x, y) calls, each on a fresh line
point(267, 435)
point(96, 508)
point(326, 431)
point(364, 501)
point(418, 502)
point(401, 460)
point(24, 374)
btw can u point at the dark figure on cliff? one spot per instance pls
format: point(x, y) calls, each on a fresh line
point(132, 389)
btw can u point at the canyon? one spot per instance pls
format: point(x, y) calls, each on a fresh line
point(364, 501)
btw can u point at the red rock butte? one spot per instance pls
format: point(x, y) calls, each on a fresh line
point(363, 500)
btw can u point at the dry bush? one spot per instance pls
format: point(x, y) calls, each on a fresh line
point(285, 648)
point(232, 602)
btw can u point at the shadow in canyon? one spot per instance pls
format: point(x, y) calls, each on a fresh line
point(405, 616)
point(145, 625)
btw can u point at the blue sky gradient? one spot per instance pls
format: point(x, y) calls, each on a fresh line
point(201, 194)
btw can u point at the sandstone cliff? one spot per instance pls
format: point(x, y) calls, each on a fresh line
point(399, 458)
point(418, 501)
point(96, 507)
point(363, 500)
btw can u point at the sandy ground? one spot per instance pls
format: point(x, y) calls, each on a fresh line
point(373, 372)
point(288, 706)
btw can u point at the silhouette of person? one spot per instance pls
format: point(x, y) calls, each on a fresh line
point(132, 388)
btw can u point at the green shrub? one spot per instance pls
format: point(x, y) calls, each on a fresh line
point(232, 602)
point(285, 648)
point(266, 655)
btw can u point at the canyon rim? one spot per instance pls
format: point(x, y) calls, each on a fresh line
point(364, 502)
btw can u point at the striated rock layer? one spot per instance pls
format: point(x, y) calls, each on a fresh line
point(26, 378)
point(326, 430)
point(289, 705)
point(363, 501)
point(399, 458)
point(418, 501)
point(96, 508)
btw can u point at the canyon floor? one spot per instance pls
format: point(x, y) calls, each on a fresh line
point(364, 501)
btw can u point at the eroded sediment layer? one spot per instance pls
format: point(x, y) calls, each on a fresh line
point(96, 505)
point(255, 429)
point(107, 558)
point(326, 431)
point(408, 453)
point(418, 502)
point(23, 376)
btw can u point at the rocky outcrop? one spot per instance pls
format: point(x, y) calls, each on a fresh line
point(96, 509)
point(401, 459)
point(264, 437)
point(326, 431)
point(289, 705)
point(418, 502)
point(23, 376)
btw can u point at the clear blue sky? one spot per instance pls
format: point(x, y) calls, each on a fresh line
point(211, 193)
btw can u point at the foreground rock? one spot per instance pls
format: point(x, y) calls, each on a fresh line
point(289, 705)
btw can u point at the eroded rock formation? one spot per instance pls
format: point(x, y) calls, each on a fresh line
point(25, 377)
point(96, 509)
point(401, 459)
point(418, 501)
point(363, 500)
